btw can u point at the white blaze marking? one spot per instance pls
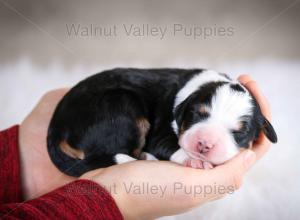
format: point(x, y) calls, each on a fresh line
point(193, 85)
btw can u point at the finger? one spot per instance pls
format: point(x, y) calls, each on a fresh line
point(244, 78)
point(227, 177)
point(54, 95)
point(261, 145)
point(260, 98)
point(44, 109)
point(231, 173)
point(49, 100)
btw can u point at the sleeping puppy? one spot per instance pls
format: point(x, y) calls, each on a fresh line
point(195, 117)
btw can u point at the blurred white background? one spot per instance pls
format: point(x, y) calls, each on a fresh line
point(38, 55)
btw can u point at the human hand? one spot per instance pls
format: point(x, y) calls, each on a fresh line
point(175, 178)
point(38, 173)
point(175, 188)
point(262, 144)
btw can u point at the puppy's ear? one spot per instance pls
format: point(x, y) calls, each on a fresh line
point(269, 131)
point(265, 125)
point(181, 109)
point(180, 112)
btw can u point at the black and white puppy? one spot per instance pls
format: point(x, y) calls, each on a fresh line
point(195, 117)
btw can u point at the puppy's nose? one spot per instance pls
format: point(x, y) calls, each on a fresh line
point(205, 146)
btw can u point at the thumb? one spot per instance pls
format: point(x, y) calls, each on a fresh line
point(231, 173)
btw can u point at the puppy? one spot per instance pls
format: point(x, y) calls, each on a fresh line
point(195, 117)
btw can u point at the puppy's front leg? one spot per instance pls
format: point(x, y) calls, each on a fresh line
point(147, 156)
point(182, 158)
point(179, 156)
point(123, 158)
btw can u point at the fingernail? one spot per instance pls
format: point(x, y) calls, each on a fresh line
point(249, 158)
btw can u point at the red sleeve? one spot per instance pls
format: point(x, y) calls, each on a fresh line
point(79, 199)
point(10, 178)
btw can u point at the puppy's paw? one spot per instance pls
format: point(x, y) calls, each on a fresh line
point(147, 156)
point(207, 165)
point(197, 164)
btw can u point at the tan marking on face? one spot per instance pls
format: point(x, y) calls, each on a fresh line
point(203, 109)
point(70, 151)
point(182, 128)
point(238, 126)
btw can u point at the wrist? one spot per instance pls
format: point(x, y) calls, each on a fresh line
point(117, 192)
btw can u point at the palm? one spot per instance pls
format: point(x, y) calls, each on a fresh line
point(39, 175)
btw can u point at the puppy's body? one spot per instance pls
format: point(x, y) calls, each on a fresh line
point(114, 116)
point(104, 115)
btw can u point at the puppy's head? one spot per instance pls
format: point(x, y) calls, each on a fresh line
point(216, 116)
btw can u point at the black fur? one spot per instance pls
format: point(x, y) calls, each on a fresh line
point(98, 116)
point(187, 113)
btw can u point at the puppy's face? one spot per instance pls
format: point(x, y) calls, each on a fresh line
point(219, 118)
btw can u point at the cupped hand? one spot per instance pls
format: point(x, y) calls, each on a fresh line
point(184, 187)
point(152, 189)
point(262, 144)
point(179, 188)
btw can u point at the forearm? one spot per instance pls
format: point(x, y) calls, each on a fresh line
point(79, 199)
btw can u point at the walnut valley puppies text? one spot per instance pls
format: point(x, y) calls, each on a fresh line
point(161, 32)
point(146, 188)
